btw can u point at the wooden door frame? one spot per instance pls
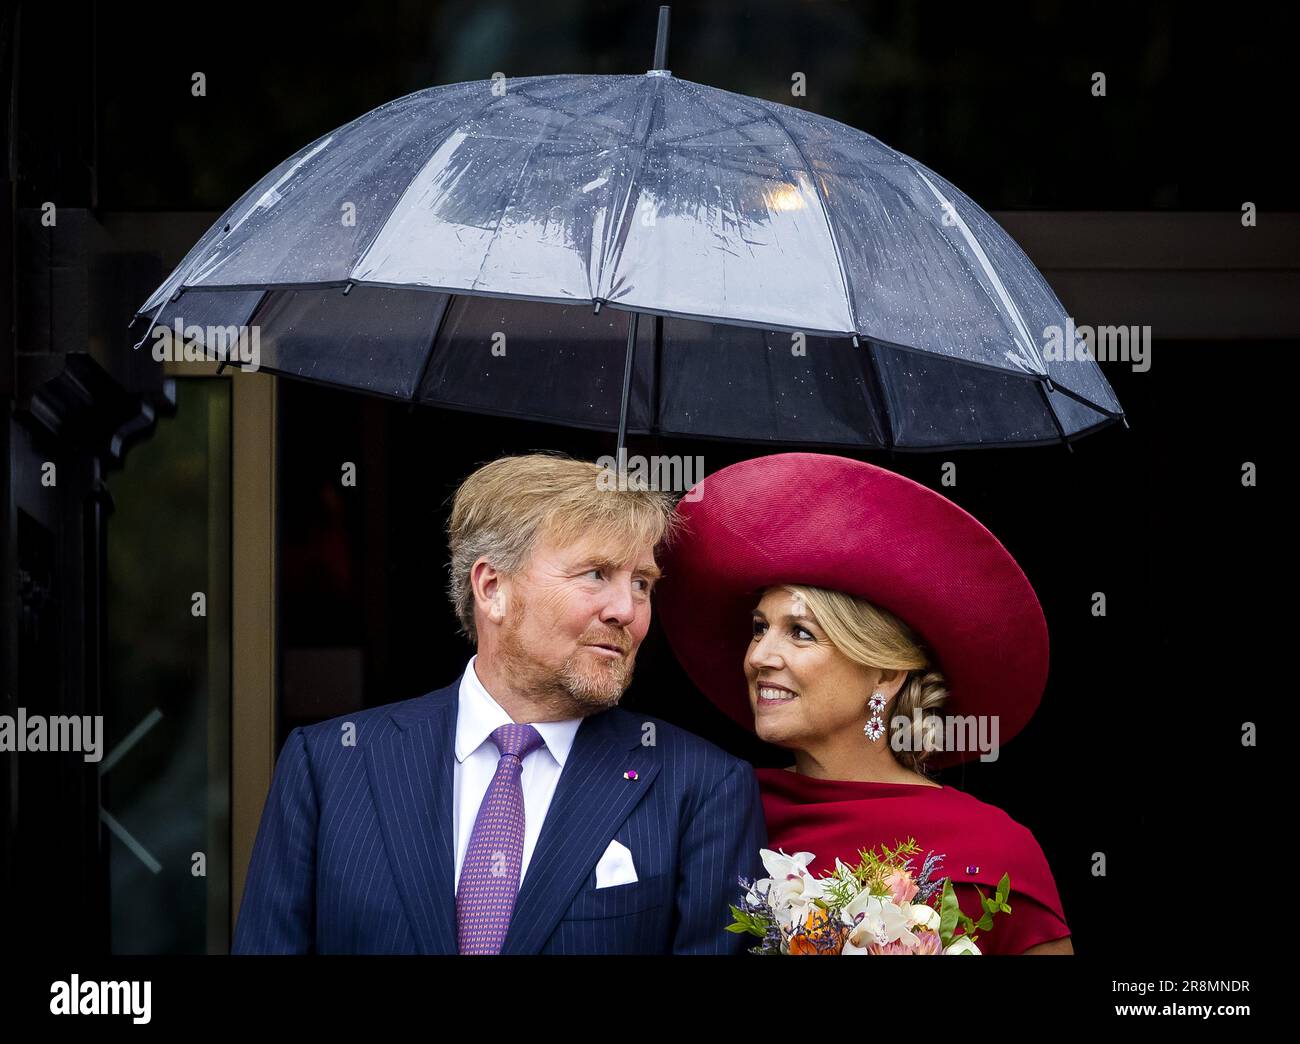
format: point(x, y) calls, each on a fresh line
point(253, 622)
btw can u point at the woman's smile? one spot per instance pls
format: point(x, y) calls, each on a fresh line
point(772, 695)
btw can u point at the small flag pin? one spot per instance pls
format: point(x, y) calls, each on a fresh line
point(630, 774)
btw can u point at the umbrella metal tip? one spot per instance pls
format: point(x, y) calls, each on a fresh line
point(661, 41)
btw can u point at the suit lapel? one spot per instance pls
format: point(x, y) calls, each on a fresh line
point(411, 776)
point(591, 800)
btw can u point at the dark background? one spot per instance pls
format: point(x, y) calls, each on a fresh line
point(994, 97)
point(1136, 752)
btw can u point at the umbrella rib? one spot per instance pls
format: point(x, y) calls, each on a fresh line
point(522, 92)
point(573, 116)
point(986, 266)
point(444, 135)
point(615, 233)
point(1057, 386)
point(1023, 375)
point(447, 302)
point(826, 212)
point(686, 138)
point(496, 231)
point(1051, 412)
point(877, 385)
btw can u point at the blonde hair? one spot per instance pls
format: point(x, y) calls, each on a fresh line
point(503, 508)
point(876, 638)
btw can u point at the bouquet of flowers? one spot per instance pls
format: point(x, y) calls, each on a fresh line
point(879, 906)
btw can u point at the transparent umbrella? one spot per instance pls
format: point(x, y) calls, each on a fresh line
point(644, 254)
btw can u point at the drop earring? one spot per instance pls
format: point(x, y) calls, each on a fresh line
point(875, 727)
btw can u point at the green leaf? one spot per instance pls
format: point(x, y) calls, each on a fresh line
point(745, 922)
point(949, 912)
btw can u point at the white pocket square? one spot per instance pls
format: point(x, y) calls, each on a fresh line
point(615, 866)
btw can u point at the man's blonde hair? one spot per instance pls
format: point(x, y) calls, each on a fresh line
point(504, 508)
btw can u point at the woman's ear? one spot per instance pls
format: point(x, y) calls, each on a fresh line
point(889, 682)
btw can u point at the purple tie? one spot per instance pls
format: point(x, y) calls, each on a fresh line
point(489, 877)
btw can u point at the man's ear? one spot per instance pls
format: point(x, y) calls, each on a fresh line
point(489, 586)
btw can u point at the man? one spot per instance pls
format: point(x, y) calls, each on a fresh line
point(518, 810)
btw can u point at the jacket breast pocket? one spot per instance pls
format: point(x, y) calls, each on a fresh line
point(620, 900)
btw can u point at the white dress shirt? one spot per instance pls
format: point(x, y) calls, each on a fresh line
point(476, 764)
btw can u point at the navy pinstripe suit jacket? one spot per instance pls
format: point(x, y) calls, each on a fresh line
point(354, 853)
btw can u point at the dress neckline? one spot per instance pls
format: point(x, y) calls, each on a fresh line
point(813, 782)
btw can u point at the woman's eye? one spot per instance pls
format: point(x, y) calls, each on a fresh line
point(802, 632)
point(759, 628)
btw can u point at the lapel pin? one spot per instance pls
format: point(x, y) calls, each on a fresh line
point(630, 774)
point(972, 869)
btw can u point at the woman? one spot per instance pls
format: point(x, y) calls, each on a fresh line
point(874, 603)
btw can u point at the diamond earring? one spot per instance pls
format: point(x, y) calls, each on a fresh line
point(875, 727)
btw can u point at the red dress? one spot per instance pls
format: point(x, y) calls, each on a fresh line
point(979, 843)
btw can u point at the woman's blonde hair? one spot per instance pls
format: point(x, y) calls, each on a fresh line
point(876, 638)
point(503, 509)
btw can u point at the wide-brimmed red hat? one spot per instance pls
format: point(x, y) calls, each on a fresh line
point(827, 521)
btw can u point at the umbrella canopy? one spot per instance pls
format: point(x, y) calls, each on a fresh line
point(491, 245)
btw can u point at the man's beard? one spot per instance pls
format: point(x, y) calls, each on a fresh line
point(594, 682)
point(585, 683)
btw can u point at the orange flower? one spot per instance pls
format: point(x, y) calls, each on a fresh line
point(820, 937)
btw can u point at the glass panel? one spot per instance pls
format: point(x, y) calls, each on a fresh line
point(166, 770)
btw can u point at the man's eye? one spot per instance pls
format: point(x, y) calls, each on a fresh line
point(594, 572)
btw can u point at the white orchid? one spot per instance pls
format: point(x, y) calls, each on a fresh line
point(779, 865)
point(922, 916)
point(791, 888)
point(798, 904)
point(875, 919)
point(960, 945)
point(843, 871)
